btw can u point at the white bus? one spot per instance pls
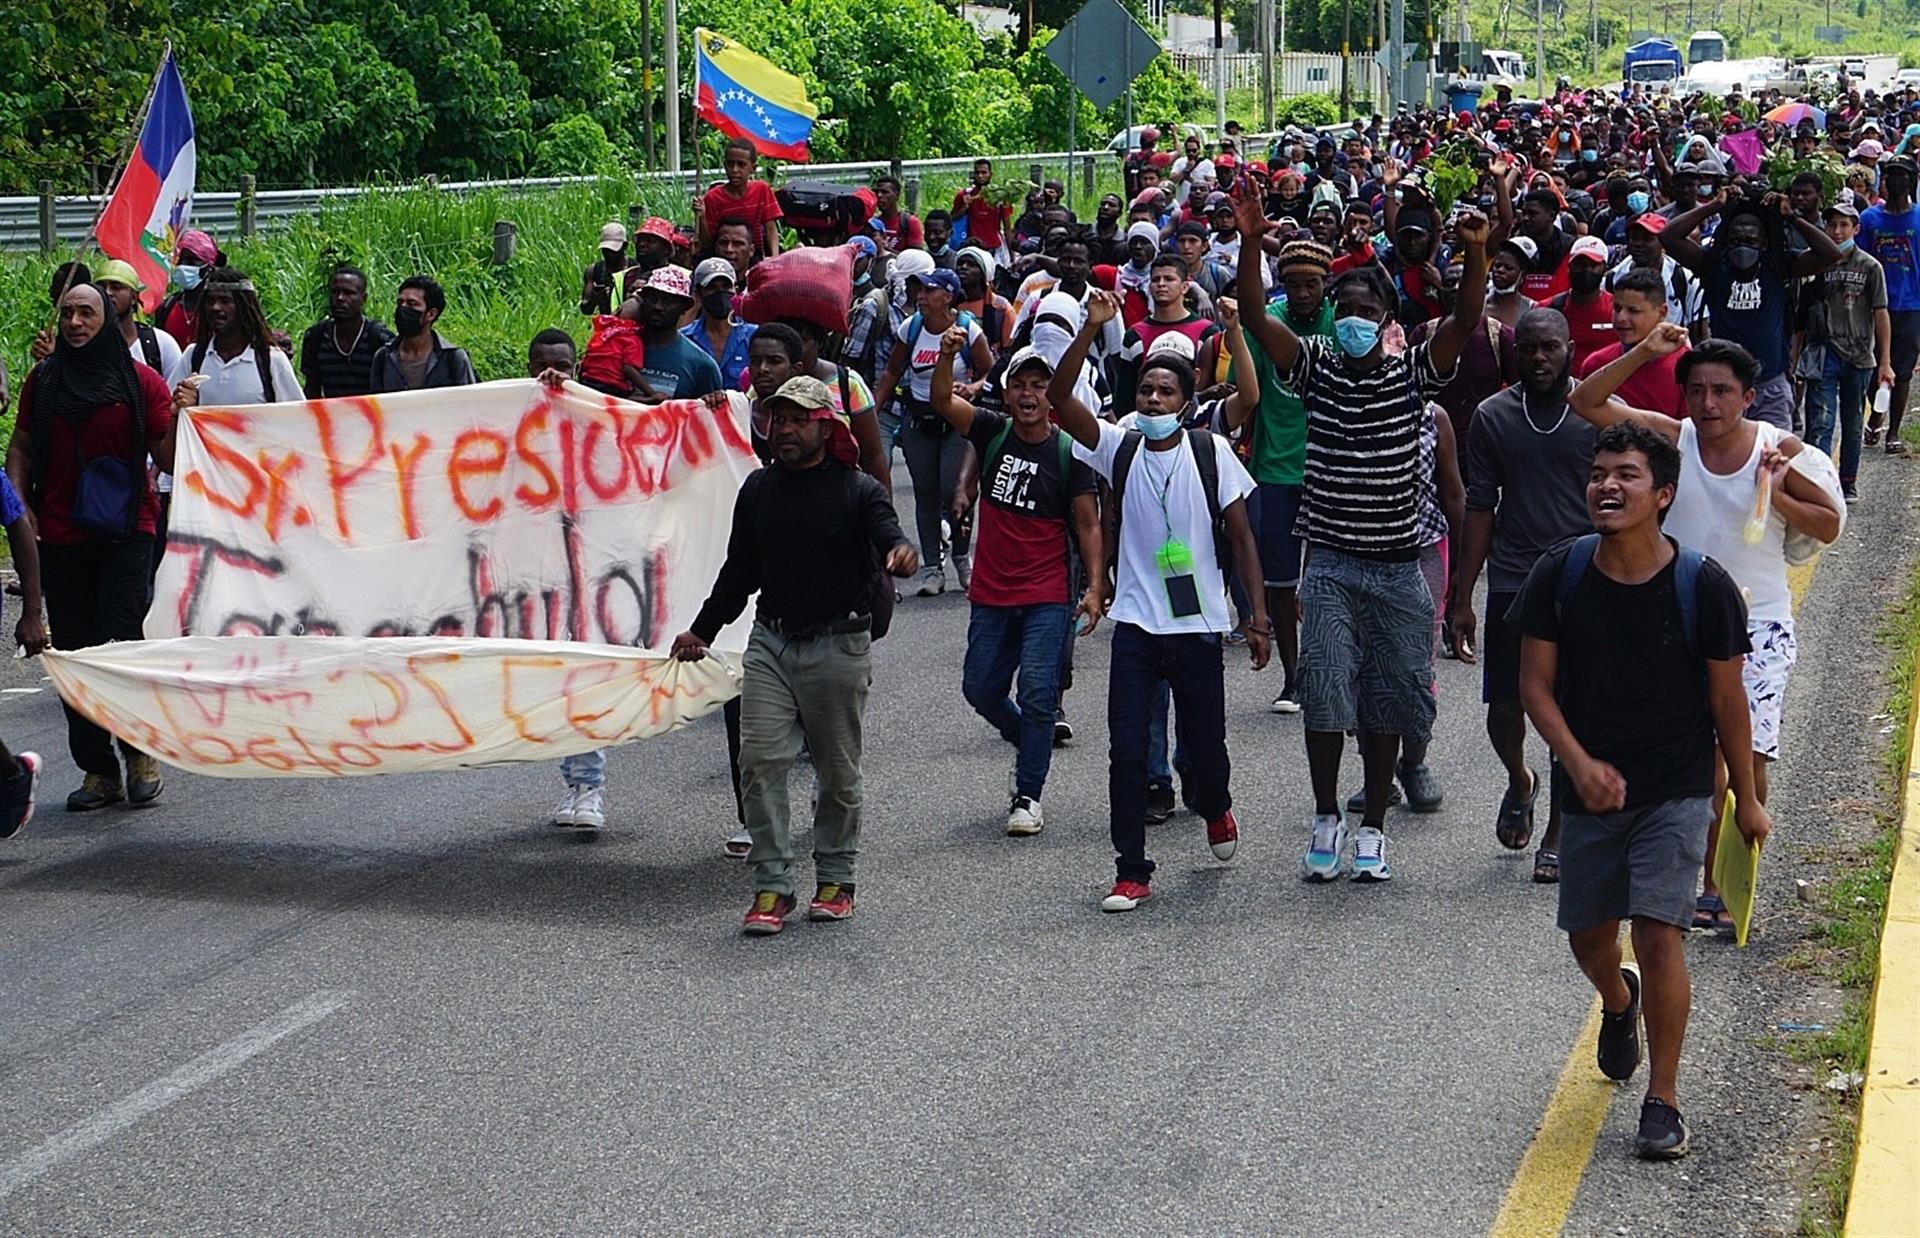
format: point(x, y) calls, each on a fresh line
point(1706, 45)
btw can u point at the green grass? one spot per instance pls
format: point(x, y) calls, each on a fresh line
point(1853, 915)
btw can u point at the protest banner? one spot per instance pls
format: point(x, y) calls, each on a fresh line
point(500, 513)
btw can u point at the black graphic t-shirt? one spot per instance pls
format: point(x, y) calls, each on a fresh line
point(1025, 503)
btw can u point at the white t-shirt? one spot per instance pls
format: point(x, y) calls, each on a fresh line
point(1164, 500)
point(238, 381)
point(1709, 514)
point(924, 354)
point(168, 348)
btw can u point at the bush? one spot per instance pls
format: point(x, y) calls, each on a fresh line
point(1308, 111)
point(576, 146)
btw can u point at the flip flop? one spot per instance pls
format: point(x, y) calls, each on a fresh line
point(1514, 826)
point(1546, 867)
point(1707, 910)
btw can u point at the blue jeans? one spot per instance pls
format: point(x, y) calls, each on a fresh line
point(1839, 398)
point(585, 769)
point(1158, 770)
point(1001, 639)
point(1190, 665)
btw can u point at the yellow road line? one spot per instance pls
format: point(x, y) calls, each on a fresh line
point(1543, 1187)
point(1541, 1193)
point(1887, 1157)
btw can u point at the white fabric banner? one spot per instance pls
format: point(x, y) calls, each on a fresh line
point(501, 513)
point(331, 706)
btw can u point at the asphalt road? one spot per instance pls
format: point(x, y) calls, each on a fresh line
point(407, 1005)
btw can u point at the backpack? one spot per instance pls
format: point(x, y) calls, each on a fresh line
point(149, 347)
point(1209, 466)
point(1686, 584)
point(821, 211)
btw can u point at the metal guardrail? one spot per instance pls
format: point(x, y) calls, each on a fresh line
point(220, 212)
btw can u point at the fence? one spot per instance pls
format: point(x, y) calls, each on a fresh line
point(1294, 73)
point(47, 221)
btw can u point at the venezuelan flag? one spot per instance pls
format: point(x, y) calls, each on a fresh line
point(745, 96)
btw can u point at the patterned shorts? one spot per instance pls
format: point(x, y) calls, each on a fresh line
point(1765, 675)
point(1366, 646)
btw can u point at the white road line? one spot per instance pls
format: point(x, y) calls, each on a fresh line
point(22, 691)
point(85, 1136)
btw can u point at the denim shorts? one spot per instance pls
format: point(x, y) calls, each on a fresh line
point(1277, 509)
point(1639, 864)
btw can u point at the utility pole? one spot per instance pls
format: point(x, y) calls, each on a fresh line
point(1593, 40)
point(1266, 63)
point(646, 77)
point(1346, 60)
point(1540, 44)
point(1396, 55)
point(1219, 76)
point(671, 15)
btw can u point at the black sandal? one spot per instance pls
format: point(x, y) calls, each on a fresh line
point(1514, 826)
point(1707, 910)
point(1546, 867)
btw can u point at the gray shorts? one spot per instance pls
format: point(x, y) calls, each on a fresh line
point(1773, 402)
point(1366, 646)
point(1643, 863)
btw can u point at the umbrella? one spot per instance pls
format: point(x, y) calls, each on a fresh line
point(1791, 114)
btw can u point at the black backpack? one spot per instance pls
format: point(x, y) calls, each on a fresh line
point(1209, 466)
point(149, 347)
point(821, 211)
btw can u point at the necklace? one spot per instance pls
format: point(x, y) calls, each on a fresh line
point(334, 336)
point(1526, 408)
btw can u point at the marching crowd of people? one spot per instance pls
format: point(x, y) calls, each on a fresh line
point(1561, 388)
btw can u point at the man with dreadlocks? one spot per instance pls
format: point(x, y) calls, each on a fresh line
point(232, 352)
point(89, 419)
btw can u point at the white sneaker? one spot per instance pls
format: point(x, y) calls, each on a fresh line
point(963, 571)
point(563, 812)
point(589, 810)
point(933, 583)
point(1370, 855)
point(1025, 818)
point(1325, 848)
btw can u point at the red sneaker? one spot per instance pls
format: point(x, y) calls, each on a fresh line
point(1223, 836)
point(1126, 895)
point(768, 915)
point(831, 902)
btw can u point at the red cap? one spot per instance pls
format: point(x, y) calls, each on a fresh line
point(1647, 221)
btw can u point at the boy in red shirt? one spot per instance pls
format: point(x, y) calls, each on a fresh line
point(616, 358)
point(1587, 306)
point(986, 219)
point(740, 199)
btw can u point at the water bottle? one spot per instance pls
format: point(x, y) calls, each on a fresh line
point(1882, 400)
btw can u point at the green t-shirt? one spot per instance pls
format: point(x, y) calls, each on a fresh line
point(1280, 425)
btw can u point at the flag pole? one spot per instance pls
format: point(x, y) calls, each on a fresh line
point(695, 131)
point(126, 156)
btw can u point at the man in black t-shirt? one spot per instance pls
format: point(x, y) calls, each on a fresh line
point(336, 353)
point(1630, 670)
point(1031, 486)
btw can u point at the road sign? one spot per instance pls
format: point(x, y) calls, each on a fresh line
point(1102, 49)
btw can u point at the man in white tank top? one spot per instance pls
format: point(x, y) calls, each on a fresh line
point(1725, 457)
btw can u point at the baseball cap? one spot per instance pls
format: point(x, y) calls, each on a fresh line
point(1649, 221)
point(807, 392)
point(1523, 245)
point(1171, 342)
point(710, 270)
point(946, 281)
point(1149, 134)
point(1842, 208)
point(656, 226)
point(114, 271)
point(1025, 357)
point(613, 235)
point(1588, 247)
point(672, 280)
point(863, 247)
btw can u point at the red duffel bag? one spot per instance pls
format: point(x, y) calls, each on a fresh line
point(812, 284)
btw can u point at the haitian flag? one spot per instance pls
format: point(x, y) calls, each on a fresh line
point(154, 197)
point(745, 96)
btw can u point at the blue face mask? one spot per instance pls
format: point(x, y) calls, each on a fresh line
point(1356, 336)
point(1589, 156)
point(1638, 202)
point(1846, 246)
point(1157, 426)
point(188, 277)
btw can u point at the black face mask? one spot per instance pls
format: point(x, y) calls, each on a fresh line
point(1743, 257)
point(717, 304)
point(408, 321)
point(1586, 283)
